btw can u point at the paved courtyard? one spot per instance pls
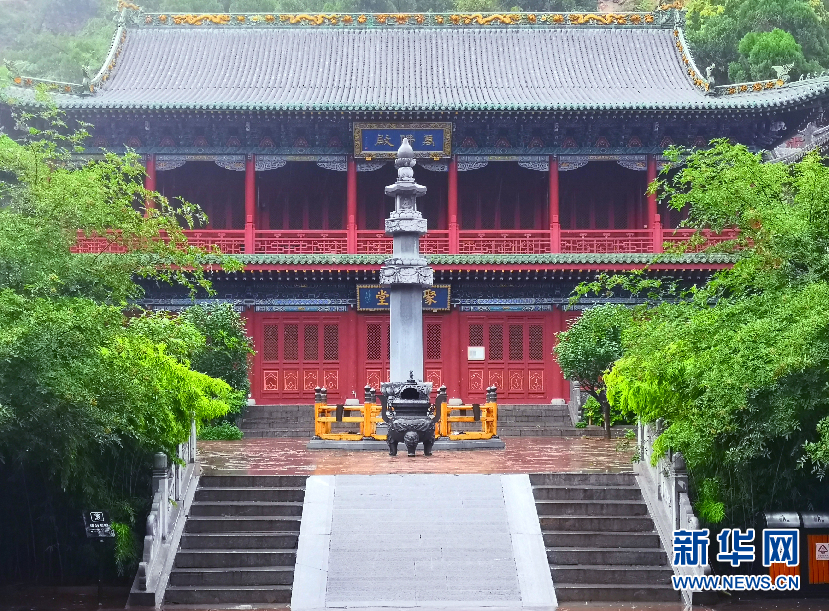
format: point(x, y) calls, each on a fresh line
point(522, 455)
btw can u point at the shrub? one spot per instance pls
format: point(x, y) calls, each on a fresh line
point(223, 431)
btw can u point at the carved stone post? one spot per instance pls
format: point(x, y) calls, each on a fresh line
point(680, 487)
point(406, 272)
point(161, 487)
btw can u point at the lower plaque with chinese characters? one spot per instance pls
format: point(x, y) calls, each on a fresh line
point(375, 298)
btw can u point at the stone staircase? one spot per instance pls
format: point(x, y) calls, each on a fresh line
point(239, 542)
point(601, 543)
point(278, 421)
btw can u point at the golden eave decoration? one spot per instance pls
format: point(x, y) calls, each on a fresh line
point(534, 19)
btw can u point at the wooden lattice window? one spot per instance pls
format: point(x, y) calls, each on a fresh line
point(527, 210)
point(496, 342)
point(237, 215)
point(335, 215)
point(374, 339)
point(270, 345)
point(315, 214)
point(536, 343)
point(311, 336)
point(388, 341)
point(516, 342)
point(601, 215)
point(476, 335)
point(290, 343)
point(433, 341)
point(295, 216)
point(331, 342)
point(583, 216)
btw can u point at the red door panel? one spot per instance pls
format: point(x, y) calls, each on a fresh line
point(517, 357)
point(296, 353)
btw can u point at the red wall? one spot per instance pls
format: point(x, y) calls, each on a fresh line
point(296, 351)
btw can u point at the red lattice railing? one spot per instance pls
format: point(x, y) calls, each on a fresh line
point(96, 244)
point(374, 243)
point(673, 236)
point(504, 242)
point(301, 242)
point(436, 242)
point(605, 241)
point(229, 241)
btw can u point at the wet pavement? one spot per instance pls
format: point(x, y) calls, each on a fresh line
point(522, 455)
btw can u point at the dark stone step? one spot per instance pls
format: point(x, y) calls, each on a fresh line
point(252, 481)
point(583, 479)
point(231, 508)
point(244, 495)
point(275, 433)
point(237, 541)
point(617, 556)
point(587, 493)
point(265, 423)
point(279, 409)
point(615, 593)
point(196, 595)
point(592, 539)
point(609, 574)
point(253, 576)
point(591, 508)
point(203, 524)
point(205, 558)
point(619, 524)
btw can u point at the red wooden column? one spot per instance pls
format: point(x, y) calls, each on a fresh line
point(253, 374)
point(453, 355)
point(653, 220)
point(351, 373)
point(351, 206)
point(452, 200)
point(149, 180)
point(555, 226)
point(250, 204)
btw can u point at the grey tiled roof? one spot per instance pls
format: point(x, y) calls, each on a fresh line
point(412, 68)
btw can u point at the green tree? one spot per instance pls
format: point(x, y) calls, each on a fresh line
point(716, 28)
point(227, 351)
point(738, 368)
point(589, 348)
point(86, 397)
point(759, 51)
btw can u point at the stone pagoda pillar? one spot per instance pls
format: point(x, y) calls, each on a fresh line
point(405, 273)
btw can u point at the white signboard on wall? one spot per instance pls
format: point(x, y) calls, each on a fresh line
point(475, 353)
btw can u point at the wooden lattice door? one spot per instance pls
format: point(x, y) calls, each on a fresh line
point(433, 350)
point(298, 353)
point(374, 342)
point(516, 357)
point(375, 350)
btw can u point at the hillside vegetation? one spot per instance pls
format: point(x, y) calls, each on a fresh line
point(742, 39)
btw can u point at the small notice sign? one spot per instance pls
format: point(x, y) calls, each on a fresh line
point(821, 551)
point(97, 525)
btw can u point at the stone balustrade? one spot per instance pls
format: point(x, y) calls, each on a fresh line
point(664, 484)
point(173, 487)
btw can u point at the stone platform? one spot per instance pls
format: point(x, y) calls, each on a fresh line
point(374, 445)
point(433, 541)
point(287, 456)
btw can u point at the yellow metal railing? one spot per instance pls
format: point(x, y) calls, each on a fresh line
point(368, 417)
